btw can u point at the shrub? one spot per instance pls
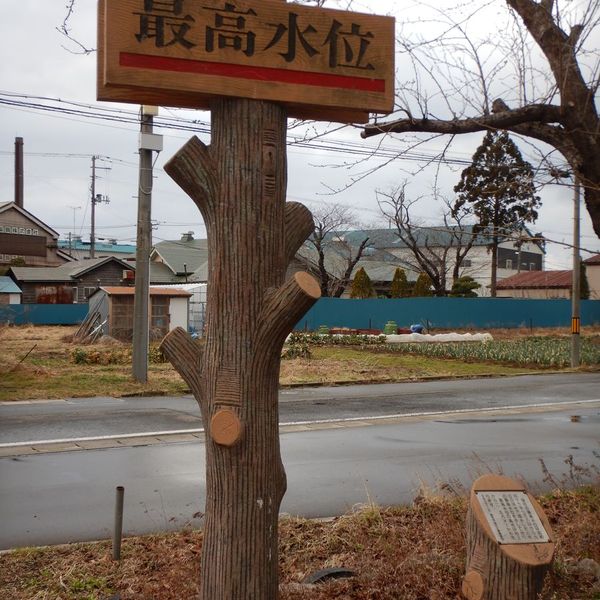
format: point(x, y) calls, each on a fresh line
point(361, 285)
point(400, 286)
point(422, 286)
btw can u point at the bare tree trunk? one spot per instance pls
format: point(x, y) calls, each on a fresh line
point(239, 183)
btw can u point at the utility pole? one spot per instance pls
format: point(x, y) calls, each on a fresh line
point(96, 199)
point(576, 283)
point(93, 228)
point(148, 142)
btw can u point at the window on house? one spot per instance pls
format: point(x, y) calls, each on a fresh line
point(1, 229)
point(467, 262)
point(159, 318)
point(22, 230)
point(28, 231)
point(15, 230)
point(508, 263)
point(88, 291)
point(36, 232)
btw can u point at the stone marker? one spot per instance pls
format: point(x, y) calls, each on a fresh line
point(510, 544)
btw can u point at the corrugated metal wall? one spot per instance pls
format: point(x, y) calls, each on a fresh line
point(43, 314)
point(446, 313)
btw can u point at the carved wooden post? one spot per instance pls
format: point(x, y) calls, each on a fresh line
point(506, 557)
point(239, 183)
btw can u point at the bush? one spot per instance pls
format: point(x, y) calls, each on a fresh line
point(112, 356)
point(297, 349)
point(361, 285)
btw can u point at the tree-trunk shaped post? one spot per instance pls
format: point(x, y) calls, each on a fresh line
point(239, 184)
point(509, 542)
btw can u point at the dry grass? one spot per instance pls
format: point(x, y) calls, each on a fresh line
point(36, 363)
point(407, 553)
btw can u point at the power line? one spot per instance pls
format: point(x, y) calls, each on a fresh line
point(329, 145)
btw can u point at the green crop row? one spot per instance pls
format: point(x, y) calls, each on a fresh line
point(545, 351)
point(542, 351)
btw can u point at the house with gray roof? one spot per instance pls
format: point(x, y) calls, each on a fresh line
point(72, 282)
point(180, 261)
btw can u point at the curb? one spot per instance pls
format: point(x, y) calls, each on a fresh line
point(13, 451)
point(316, 384)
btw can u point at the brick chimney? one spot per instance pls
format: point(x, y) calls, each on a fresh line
point(19, 171)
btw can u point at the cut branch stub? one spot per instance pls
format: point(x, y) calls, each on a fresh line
point(195, 171)
point(226, 428)
point(299, 225)
point(186, 357)
point(285, 306)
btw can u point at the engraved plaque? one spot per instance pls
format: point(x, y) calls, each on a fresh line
point(512, 517)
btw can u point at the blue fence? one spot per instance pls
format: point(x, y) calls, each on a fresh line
point(446, 313)
point(43, 314)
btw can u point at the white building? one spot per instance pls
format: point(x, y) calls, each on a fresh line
point(439, 245)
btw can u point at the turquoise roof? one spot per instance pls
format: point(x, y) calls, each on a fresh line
point(98, 246)
point(8, 286)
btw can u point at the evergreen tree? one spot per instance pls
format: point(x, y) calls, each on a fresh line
point(584, 284)
point(464, 287)
point(400, 287)
point(422, 286)
point(361, 285)
point(499, 187)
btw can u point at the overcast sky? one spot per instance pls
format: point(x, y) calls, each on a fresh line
point(40, 66)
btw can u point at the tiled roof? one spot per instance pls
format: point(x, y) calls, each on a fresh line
point(182, 256)
point(64, 272)
point(592, 260)
point(537, 279)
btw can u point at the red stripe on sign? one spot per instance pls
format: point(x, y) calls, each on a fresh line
point(184, 65)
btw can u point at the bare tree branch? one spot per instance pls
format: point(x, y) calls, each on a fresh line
point(65, 30)
point(563, 115)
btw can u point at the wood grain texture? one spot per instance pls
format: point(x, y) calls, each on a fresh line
point(239, 185)
point(502, 571)
point(225, 428)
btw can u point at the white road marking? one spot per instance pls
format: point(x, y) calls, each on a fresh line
point(298, 423)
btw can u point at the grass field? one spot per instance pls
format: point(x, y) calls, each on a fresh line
point(40, 362)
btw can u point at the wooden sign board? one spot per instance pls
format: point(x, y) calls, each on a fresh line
point(325, 63)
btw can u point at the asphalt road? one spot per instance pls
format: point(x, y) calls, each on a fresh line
point(58, 497)
point(96, 417)
point(341, 446)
